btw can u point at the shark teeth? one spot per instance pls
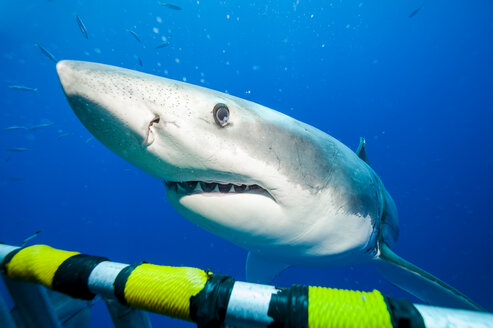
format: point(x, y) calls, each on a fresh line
point(195, 187)
point(207, 187)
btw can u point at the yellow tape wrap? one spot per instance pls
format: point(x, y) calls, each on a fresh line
point(37, 263)
point(329, 307)
point(163, 289)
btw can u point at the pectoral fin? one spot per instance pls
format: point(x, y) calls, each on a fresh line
point(420, 283)
point(262, 270)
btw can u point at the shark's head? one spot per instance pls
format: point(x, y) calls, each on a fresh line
point(243, 171)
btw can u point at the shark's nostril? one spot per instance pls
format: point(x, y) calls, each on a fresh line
point(150, 137)
point(155, 120)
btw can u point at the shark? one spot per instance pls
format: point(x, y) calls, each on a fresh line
point(285, 191)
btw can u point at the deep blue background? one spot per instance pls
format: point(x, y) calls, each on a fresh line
point(419, 89)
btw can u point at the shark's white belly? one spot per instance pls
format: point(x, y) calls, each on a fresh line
point(313, 237)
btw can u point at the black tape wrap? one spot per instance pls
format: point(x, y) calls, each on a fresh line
point(8, 258)
point(289, 307)
point(403, 314)
point(121, 281)
point(208, 308)
point(72, 275)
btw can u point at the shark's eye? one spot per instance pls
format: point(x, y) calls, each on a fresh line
point(221, 114)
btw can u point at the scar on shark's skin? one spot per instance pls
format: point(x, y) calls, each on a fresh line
point(171, 122)
point(277, 157)
point(290, 181)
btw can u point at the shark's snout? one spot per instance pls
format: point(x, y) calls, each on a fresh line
point(107, 102)
point(64, 71)
point(69, 74)
point(113, 106)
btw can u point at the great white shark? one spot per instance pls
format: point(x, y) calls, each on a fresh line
point(287, 192)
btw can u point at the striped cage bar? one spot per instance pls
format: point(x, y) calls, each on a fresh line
point(213, 300)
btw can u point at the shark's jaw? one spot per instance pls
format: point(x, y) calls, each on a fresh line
point(233, 215)
point(232, 211)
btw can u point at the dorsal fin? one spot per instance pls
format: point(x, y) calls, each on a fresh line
point(361, 152)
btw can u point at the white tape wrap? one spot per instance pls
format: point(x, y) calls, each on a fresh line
point(248, 305)
point(103, 276)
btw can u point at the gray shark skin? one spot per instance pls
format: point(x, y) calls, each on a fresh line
point(286, 191)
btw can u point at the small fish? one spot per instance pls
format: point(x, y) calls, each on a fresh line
point(46, 52)
point(28, 239)
point(162, 45)
point(88, 140)
point(14, 127)
point(415, 11)
point(136, 36)
point(40, 126)
point(22, 88)
point(63, 135)
point(140, 61)
point(17, 149)
point(81, 26)
point(169, 5)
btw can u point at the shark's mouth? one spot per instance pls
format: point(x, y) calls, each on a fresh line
point(199, 187)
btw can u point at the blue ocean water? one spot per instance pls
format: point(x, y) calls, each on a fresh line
point(419, 89)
